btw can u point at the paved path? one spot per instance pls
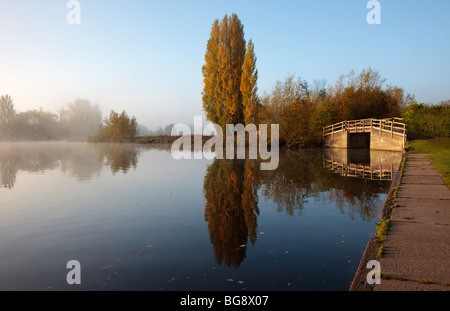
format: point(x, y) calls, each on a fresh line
point(417, 253)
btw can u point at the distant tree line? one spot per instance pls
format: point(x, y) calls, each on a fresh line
point(166, 131)
point(79, 120)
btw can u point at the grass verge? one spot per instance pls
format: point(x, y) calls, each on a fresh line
point(439, 154)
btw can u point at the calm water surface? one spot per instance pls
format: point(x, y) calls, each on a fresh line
point(136, 219)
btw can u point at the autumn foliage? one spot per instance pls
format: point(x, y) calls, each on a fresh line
point(229, 74)
point(302, 110)
point(116, 128)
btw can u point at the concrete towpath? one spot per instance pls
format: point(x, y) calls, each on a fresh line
point(417, 247)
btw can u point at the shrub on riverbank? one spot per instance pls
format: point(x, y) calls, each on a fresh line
point(116, 128)
point(427, 120)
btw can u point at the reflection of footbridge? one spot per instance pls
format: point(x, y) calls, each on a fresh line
point(376, 134)
point(366, 164)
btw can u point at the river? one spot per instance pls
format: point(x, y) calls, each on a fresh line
point(137, 219)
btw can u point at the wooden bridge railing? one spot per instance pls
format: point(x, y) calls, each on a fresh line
point(374, 172)
point(393, 126)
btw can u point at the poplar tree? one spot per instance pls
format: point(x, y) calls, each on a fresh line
point(211, 85)
point(248, 85)
point(222, 72)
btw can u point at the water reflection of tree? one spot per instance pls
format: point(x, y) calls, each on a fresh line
point(79, 160)
point(301, 175)
point(357, 197)
point(293, 182)
point(231, 193)
point(8, 170)
point(119, 157)
point(230, 189)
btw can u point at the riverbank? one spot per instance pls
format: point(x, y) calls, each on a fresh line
point(414, 252)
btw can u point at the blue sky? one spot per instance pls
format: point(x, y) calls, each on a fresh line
point(145, 57)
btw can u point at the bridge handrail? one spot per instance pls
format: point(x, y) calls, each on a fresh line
point(393, 126)
point(373, 172)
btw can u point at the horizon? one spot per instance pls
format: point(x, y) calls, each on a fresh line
point(146, 57)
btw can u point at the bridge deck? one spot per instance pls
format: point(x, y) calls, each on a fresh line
point(392, 126)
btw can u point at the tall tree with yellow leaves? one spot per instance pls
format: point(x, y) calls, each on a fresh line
point(248, 85)
point(211, 79)
point(222, 72)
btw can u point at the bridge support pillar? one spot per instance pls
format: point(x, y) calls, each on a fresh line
point(386, 141)
point(338, 140)
point(377, 141)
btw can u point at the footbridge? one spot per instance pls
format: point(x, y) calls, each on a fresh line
point(375, 134)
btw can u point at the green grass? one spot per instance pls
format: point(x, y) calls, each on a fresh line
point(381, 251)
point(382, 230)
point(439, 154)
point(429, 145)
point(441, 161)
